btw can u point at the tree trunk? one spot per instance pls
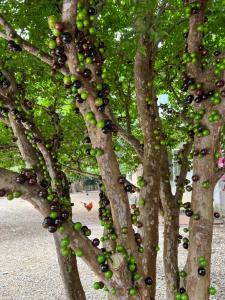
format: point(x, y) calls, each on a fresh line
point(202, 229)
point(170, 246)
point(69, 273)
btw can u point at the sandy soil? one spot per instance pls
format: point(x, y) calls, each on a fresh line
point(28, 263)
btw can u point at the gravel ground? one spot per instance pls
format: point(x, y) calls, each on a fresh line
point(28, 263)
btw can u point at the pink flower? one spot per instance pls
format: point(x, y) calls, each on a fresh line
point(221, 162)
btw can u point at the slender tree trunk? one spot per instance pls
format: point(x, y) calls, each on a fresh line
point(170, 243)
point(69, 273)
point(202, 203)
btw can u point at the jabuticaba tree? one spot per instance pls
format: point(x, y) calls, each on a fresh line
point(128, 269)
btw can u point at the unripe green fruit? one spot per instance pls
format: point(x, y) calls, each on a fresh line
point(67, 80)
point(10, 196)
point(77, 226)
point(119, 248)
point(101, 258)
point(64, 243)
point(17, 194)
point(132, 292)
point(53, 215)
point(52, 44)
point(101, 124)
point(90, 116)
point(84, 95)
point(136, 276)
point(99, 102)
point(108, 274)
point(79, 252)
point(65, 252)
point(56, 32)
point(51, 21)
point(212, 291)
point(98, 285)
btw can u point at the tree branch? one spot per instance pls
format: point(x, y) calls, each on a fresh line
point(10, 33)
point(183, 171)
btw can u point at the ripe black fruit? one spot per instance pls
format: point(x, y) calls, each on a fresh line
point(67, 37)
point(201, 271)
point(2, 193)
point(95, 242)
point(104, 268)
point(52, 228)
point(148, 281)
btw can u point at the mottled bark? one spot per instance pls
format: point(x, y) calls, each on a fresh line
point(201, 230)
point(143, 73)
point(171, 229)
point(71, 279)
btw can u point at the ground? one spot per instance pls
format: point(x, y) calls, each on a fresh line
point(28, 263)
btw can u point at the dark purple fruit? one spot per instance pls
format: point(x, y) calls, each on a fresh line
point(59, 51)
point(67, 37)
point(52, 228)
point(43, 193)
point(95, 242)
point(148, 281)
point(216, 215)
point(104, 267)
point(188, 212)
point(2, 193)
point(21, 179)
point(47, 222)
point(87, 73)
point(201, 271)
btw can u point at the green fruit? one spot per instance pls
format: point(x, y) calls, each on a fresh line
point(101, 259)
point(212, 291)
point(17, 194)
point(88, 60)
point(65, 252)
point(56, 32)
point(98, 285)
point(10, 196)
point(99, 102)
point(86, 23)
point(124, 230)
point(131, 267)
point(113, 291)
point(184, 296)
point(133, 292)
point(108, 274)
point(183, 274)
point(84, 95)
point(203, 263)
point(51, 21)
point(205, 184)
point(64, 243)
point(99, 152)
point(90, 116)
point(93, 152)
point(50, 197)
point(119, 248)
point(178, 296)
point(201, 258)
point(101, 124)
point(205, 132)
point(140, 249)
point(67, 80)
point(73, 78)
point(92, 30)
point(61, 229)
point(136, 276)
point(79, 252)
point(79, 25)
point(53, 215)
point(99, 86)
point(77, 226)
point(52, 44)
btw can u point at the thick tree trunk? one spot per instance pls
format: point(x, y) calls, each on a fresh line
point(69, 273)
point(201, 230)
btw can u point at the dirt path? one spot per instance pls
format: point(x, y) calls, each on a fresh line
point(28, 263)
